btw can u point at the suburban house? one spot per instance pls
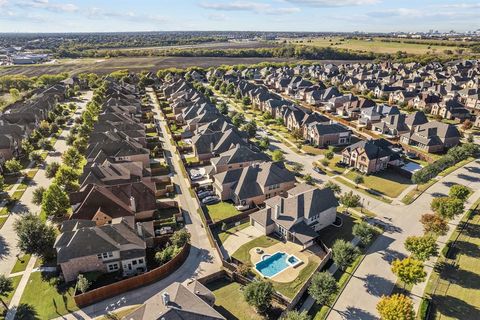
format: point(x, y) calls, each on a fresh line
point(82, 246)
point(415, 119)
point(324, 135)
point(253, 184)
point(433, 136)
point(392, 125)
point(211, 144)
point(450, 109)
point(178, 301)
point(238, 157)
point(370, 156)
point(298, 215)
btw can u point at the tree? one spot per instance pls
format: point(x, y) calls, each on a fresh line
point(421, 248)
point(2, 183)
point(264, 143)
point(323, 287)
point(350, 200)
point(364, 231)
point(246, 101)
point(55, 201)
point(35, 157)
point(396, 307)
point(344, 253)
point(358, 179)
point(82, 283)
point(447, 207)
point(277, 155)
point(15, 94)
point(72, 158)
point(34, 236)
point(238, 120)
point(166, 254)
point(329, 155)
point(38, 195)
point(435, 224)
point(333, 186)
point(459, 192)
point(67, 178)
point(51, 169)
point(297, 167)
point(13, 166)
point(250, 128)
point(308, 178)
point(180, 238)
point(259, 295)
point(223, 108)
point(6, 286)
point(296, 315)
point(409, 270)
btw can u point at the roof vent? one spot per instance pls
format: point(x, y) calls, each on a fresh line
point(165, 298)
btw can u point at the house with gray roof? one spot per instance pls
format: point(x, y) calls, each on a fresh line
point(237, 157)
point(327, 134)
point(370, 156)
point(433, 136)
point(299, 215)
point(82, 246)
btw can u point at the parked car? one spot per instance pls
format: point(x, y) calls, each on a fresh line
point(163, 230)
point(204, 188)
point(196, 176)
point(204, 194)
point(211, 200)
point(341, 164)
point(412, 155)
point(242, 207)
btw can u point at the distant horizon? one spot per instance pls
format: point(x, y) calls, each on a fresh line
point(346, 16)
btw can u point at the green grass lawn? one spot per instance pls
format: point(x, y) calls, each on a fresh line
point(2, 221)
point(412, 195)
point(7, 298)
point(290, 289)
point(221, 210)
point(230, 301)
point(310, 149)
point(352, 185)
point(329, 234)
point(223, 235)
point(332, 165)
point(21, 264)
point(386, 182)
point(47, 301)
point(243, 253)
point(454, 289)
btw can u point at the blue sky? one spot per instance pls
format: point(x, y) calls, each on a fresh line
point(265, 15)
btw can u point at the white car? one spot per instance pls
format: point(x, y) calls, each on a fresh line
point(196, 176)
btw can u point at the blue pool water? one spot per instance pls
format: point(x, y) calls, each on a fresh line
point(293, 260)
point(272, 265)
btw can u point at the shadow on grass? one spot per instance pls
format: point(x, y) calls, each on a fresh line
point(26, 312)
point(454, 308)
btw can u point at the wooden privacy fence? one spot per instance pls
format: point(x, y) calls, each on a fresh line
point(120, 287)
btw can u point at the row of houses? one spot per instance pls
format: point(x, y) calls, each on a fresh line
point(113, 213)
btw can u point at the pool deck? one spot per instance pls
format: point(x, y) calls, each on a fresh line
point(291, 273)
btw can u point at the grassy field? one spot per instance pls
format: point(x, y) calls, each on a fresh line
point(375, 45)
point(455, 283)
point(46, 299)
point(221, 210)
point(387, 182)
point(230, 301)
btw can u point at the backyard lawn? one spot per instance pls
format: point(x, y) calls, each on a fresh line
point(223, 235)
point(329, 234)
point(290, 289)
point(243, 253)
point(387, 182)
point(221, 210)
point(229, 301)
point(46, 299)
point(455, 283)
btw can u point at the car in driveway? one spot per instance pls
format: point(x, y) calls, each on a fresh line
point(211, 200)
point(196, 176)
point(203, 194)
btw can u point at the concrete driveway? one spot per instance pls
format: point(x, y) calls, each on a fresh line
point(239, 238)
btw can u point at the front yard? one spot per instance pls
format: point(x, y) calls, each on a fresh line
point(7, 298)
point(387, 182)
point(46, 298)
point(221, 210)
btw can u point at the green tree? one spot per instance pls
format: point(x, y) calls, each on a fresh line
point(38, 195)
point(396, 307)
point(409, 270)
point(358, 179)
point(344, 253)
point(435, 224)
point(250, 128)
point(180, 238)
point(296, 315)
point(72, 158)
point(333, 186)
point(13, 166)
point(15, 94)
point(264, 143)
point(297, 167)
point(34, 236)
point(223, 108)
point(447, 207)
point(350, 200)
point(166, 254)
point(323, 287)
point(259, 295)
point(277, 155)
point(364, 231)
point(67, 178)
point(246, 101)
point(51, 169)
point(238, 120)
point(459, 192)
point(2, 183)
point(6, 286)
point(308, 178)
point(82, 283)
point(35, 157)
point(55, 201)
point(329, 155)
point(421, 248)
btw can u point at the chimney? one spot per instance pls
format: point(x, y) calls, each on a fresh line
point(133, 204)
point(165, 298)
point(282, 204)
point(139, 229)
point(277, 211)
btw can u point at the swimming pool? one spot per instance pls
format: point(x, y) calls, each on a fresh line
point(272, 265)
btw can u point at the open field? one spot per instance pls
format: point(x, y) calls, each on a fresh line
point(377, 46)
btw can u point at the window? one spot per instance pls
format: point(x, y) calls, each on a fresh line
point(112, 267)
point(99, 256)
point(134, 262)
point(140, 261)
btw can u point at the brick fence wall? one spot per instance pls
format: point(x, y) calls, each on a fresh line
point(123, 286)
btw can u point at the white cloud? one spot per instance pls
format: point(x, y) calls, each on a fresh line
point(47, 5)
point(334, 3)
point(256, 7)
